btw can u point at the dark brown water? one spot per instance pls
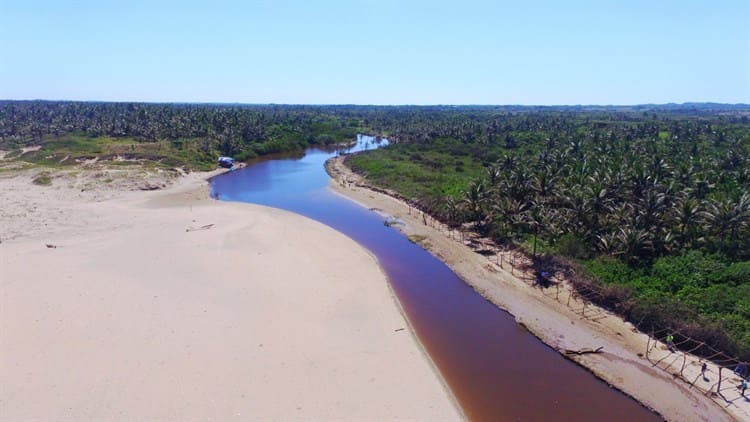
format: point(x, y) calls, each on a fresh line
point(497, 370)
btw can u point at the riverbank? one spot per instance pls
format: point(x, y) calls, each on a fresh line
point(161, 303)
point(554, 322)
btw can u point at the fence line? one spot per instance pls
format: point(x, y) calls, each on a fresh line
point(724, 391)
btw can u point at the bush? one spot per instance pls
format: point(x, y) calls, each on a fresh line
point(736, 274)
point(42, 179)
point(610, 270)
point(699, 295)
point(692, 268)
point(572, 246)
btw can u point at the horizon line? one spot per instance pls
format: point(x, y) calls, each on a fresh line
point(684, 103)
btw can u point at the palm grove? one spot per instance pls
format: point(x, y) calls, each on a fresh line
point(649, 202)
point(653, 205)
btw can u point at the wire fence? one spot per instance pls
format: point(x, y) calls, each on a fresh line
point(689, 360)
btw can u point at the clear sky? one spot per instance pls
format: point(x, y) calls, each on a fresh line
point(377, 51)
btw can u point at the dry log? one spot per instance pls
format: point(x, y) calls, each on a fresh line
point(584, 351)
point(192, 229)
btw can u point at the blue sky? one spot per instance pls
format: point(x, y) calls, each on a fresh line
point(377, 51)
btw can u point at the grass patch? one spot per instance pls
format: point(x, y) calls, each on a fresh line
point(419, 239)
point(13, 154)
point(415, 173)
point(43, 179)
point(68, 150)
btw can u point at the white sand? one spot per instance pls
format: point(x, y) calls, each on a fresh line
point(135, 316)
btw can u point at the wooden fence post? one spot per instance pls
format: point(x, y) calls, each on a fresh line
point(718, 386)
point(684, 359)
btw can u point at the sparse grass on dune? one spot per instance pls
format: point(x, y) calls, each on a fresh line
point(73, 149)
point(43, 179)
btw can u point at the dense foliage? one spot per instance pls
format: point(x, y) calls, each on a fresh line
point(190, 135)
point(655, 201)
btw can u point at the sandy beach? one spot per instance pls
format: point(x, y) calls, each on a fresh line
point(167, 305)
point(621, 364)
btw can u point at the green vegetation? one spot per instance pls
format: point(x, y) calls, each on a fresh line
point(417, 173)
point(653, 207)
point(43, 179)
point(707, 294)
point(72, 149)
point(419, 239)
point(190, 136)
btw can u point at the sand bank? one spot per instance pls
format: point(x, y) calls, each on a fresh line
point(558, 325)
point(166, 305)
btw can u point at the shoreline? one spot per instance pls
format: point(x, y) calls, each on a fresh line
point(621, 365)
point(167, 304)
point(423, 351)
point(409, 326)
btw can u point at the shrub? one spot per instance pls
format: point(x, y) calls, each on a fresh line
point(572, 246)
point(43, 179)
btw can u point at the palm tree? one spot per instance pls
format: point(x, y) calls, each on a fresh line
point(475, 199)
point(452, 209)
point(544, 183)
point(520, 186)
point(651, 207)
point(493, 175)
point(598, 202)
point(509, 163)
point(576, 212)
point(509, 213)
point(607, 243)
point(633, 244)
point(726, 219)
point(535, 217)
point(702, 186)
point(686, 214)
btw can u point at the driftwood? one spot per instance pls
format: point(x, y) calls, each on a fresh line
point(392, 221)
point(151, 186)
point(192, 229)
point(584, 351)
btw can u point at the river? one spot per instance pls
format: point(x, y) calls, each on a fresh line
point(497, 370)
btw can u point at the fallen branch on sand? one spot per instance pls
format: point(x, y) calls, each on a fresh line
point(584, 351)
point(192, 229)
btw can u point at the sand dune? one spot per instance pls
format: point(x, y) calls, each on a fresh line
point(167, 305)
